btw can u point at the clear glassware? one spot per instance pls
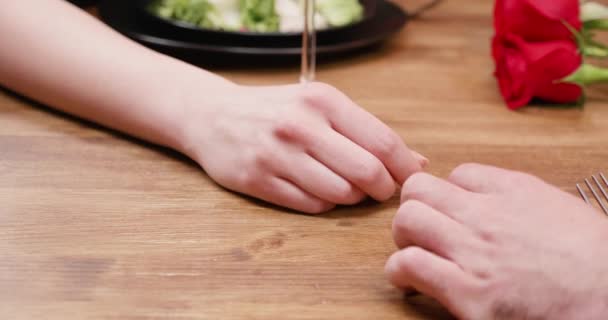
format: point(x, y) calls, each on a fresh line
point(309, 43)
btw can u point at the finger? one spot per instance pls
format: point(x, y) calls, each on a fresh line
point(379, 140)
point(435, 192)
point(486, 179)
point(284, 193)
point(315, 178)
point(417, 224)
point(369, 132)
point(354, 164)
point(429, 274)
point(424, 161)
point(343, 157)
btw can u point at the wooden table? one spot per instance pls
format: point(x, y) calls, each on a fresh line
point(95, 225)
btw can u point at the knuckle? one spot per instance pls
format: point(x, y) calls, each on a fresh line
point(358, 195)
point(256, 159)
point(486, 252)
point(318, 207)
point(386, 194)
point(402, 222)
point(407, 209)
point(464, 170)
point(386, 145)
point(407, 218)
point(317, 90)
point(369, 173)
point(289, 129)
point(321, 98)
point(414, 186)
point(410, 256)
point(347, 194)
point(519, 179)
point(487, 236)
point(403, 261)
point(315, 94)
point(263, 158)
point(246, 180)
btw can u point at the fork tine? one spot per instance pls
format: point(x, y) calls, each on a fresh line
point(596, 196)
point(599, 185)
point(604, 178)
point(582, 193)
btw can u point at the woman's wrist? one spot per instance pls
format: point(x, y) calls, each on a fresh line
point(194, 97)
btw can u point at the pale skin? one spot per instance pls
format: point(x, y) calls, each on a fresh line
point(487, 243)
point(490, 243)
point(297, 146)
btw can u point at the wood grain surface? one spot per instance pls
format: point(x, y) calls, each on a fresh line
point(96, 225)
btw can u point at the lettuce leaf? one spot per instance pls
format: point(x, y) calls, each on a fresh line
point(197, 12)
point(340, 12)
point(259, 15)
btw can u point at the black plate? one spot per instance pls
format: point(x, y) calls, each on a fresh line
point(189, 44)
point(83, 3)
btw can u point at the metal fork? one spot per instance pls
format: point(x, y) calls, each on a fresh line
point(597, 197)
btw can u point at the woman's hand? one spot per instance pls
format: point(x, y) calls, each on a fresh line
point(306, 147)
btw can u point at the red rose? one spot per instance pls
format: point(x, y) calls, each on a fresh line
point(527, 70)
point(537, 20)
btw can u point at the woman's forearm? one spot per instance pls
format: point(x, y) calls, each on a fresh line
point(57, 54)
point(307, 147)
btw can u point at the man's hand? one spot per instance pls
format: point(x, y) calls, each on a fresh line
point(490, 243)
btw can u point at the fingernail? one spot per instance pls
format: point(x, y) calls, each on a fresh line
point(422, 160)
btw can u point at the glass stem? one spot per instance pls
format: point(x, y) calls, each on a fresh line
point(309, 43)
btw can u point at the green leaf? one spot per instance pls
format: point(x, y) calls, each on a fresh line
point(259, 15)
point(587, 44)
point(578, 35)
point(595, 51)
point(197, 12)
point(600, 24)
point(587, 74)
point(340, 12)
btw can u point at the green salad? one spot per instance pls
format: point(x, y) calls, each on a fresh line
point(258, 15)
